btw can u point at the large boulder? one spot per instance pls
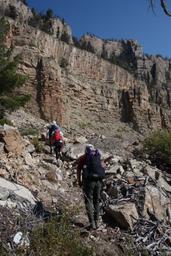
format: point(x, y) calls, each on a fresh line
point(124, 215)
point(159, 177)
point(116, 169)
point(80, 139)
point(156, 203)
point(74, 151)
point(12, 140)
point(12, 192)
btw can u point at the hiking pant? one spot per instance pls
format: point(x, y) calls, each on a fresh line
point(57, 147)
point(92, 193)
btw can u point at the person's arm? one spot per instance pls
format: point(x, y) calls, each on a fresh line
point(81, 162)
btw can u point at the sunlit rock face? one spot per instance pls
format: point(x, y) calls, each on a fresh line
point(114, 81)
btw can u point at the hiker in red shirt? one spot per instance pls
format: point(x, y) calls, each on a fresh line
point(57, 141)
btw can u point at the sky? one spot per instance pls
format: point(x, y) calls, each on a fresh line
point(117, 19)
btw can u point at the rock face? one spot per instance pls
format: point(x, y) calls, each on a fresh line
point(113, 81)
point(23, 13)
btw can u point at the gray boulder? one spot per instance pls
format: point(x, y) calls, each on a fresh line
point(156, 202)
point(15, 192)
point(124, 215)
point(74, 151)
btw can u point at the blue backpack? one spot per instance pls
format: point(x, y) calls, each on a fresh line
point(94, 169)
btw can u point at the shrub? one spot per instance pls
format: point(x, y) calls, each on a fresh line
point(29, 131)
point(14, 102)
point(47, 27)
point(10, 79)
point(38, 145)
point(35, 21)
point(49, 14)
point(5, 121)
point(3, 252)
point(58, 239)
point(76, 42)
point(63, 63)
point(158, 146)
point(65, 37)
point(87, 46)
point(11, 12)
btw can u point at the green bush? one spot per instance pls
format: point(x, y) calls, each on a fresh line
point(10, 79)
point(158, 147)
point(5, 121)
point(14, 102)
point(29, 131)
point(58, 239)
point(65, 37)
point(3, 252)
point(38, 145)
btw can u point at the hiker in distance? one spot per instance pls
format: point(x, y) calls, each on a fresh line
point(90, 174)
point(55, 138)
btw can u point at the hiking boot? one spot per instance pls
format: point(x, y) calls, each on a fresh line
point(91, 227)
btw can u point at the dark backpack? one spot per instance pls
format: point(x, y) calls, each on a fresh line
point(52, 128)
point(94, 169)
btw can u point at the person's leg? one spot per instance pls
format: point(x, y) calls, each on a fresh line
point(96, 201)
point(88, 195)
point(58, 147)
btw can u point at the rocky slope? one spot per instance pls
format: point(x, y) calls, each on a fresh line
point(83, 89)
point(136, 196)
point(102, 88)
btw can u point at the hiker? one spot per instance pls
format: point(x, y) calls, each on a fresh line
point(55, 137)
point(50, 129)
point(57, 141)
point(90, 166)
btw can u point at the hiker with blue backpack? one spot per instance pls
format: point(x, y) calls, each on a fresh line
point(55, 137)
point(90, 174)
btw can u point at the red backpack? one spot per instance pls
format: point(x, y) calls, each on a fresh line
point(56, 136)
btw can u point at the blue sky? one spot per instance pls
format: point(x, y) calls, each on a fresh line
point(119, 19)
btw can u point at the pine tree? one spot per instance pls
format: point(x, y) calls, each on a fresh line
point(9, 77)
point(49, 14)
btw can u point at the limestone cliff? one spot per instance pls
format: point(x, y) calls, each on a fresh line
point(93, 89)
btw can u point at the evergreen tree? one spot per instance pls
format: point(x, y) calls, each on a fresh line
point(65, 37)
point(57, 33)
point(11, 12)
point(9, 78)
point(49, 14)
point(76, 42)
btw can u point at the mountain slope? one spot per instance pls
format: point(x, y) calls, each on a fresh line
point(84, 89)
